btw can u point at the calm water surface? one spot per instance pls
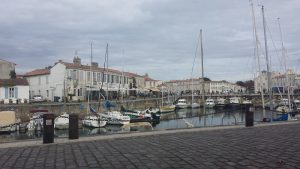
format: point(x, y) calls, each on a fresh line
point(183, 118)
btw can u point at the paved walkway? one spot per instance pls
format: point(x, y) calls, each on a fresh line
point(264, 146)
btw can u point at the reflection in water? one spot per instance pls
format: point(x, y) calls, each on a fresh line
point(182, 118)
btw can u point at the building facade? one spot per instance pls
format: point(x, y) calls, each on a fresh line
point(77, 81)
point(14, 91)
point(196, 85)
point(279, 81)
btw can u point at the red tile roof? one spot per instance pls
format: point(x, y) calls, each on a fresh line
point(37, 72)
point(149, 79)
point(13, 82)
point(129, 74)
point(87, 67)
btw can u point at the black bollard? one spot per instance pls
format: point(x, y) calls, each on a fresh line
point(48, 128)
point(73, 126)
point(249, 117)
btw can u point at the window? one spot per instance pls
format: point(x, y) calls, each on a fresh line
point(47, 79)
point(39, 80)
point(11, 92)
point(98, 77)
point(94, 78)
point(47, 91)
point(79, 92)
point(80, 75)
point(104, 77)
point(88, 76)
point(112, 78)
point(108, 78)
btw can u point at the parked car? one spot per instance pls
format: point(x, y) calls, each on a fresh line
point(37, 98)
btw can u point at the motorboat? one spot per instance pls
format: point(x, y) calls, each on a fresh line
point(62, 121)
point(181, 104)
point(36, 121)
point(234, 102)
point(209, 103)
point(93, 121)
point(220, 103)
point(115, 118)
point(142, 116)
point(297, 104)
point(194, 105)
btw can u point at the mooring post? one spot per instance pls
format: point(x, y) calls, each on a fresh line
point(73, 126)
point(48, 128)
point(249, 117)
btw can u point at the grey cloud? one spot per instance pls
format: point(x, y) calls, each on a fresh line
point(157, 36)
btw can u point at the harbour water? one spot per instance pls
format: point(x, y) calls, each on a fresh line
point(183, 118)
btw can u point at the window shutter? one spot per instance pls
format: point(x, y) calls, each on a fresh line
point(16, 92)
point(6, 93)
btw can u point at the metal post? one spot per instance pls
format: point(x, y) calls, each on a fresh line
point(48, 128)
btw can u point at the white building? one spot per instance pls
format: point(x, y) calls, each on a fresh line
point(178, 86)
point(279, 81)
point(14, 91)
point(77, 81)
point(151, 84)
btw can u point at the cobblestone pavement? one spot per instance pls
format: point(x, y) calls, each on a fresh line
point(275, 146)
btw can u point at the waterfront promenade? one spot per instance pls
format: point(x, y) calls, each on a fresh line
point(264, 146)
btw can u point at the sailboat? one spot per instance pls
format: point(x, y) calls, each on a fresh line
point(112, 117)
point(62, 121)
point(165, 108)
point(194, 104)
point(256, 53)
point(93, 120)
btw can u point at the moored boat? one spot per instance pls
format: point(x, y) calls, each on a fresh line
point(62, 121)
point(209, 103)
point(181, 104)
point(115, 118)
point(93, 121)
point(221, 103)
point(8, 121)
point(234, 102)
point(167, 109)
point(36, 121)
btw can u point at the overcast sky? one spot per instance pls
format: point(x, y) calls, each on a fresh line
point(157, 37)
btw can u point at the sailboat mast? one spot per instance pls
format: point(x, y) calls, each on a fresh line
point(107, 71)
point(202, 67)
point(267, 60)
point(162, 95)
point(284, 57)
point(88, 92)
point(257, 56)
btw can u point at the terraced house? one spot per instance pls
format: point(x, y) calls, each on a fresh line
point(75, 80)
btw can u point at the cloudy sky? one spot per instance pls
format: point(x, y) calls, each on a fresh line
point(158, 37)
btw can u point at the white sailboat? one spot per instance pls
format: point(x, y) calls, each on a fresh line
point(62, 121)
point(257, 54)
point(194, 104)
point(165, 108)
point(94, 120)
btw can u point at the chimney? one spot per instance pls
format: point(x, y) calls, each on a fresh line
point(77, 61)
point(94, 64)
